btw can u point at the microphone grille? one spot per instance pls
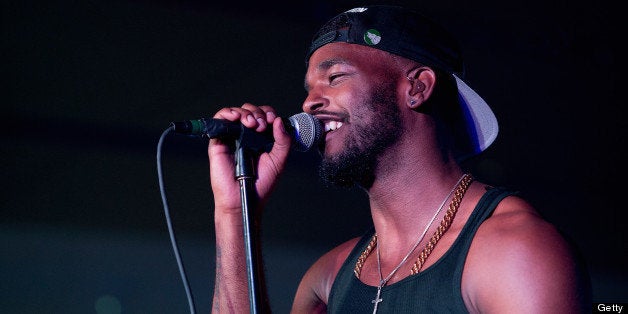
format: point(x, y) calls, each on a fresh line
point(308, 131)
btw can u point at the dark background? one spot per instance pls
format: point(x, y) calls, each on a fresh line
point(91, 85)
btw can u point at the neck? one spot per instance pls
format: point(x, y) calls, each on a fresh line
point(405, 196)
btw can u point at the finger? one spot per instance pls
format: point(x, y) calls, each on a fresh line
point(283, 140)
point(229, 113)
point(258, 114)
point(275, 161)
point(245, 116)
point(271, 114)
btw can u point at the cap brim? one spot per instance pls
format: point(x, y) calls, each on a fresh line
point(481, 122)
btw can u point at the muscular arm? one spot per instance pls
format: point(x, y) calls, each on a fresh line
point(519, 263)
point(231, 282)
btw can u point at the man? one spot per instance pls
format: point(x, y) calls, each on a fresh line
point(398, 119)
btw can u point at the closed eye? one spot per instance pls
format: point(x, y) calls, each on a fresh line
point(336, 78)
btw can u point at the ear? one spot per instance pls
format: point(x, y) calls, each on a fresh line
point(422, 81)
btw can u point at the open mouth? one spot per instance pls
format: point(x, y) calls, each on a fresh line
point(331, 126)
point(331, 123)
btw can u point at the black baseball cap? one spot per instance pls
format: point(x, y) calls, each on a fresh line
point(411, 35)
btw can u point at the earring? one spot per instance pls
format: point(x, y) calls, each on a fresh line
point(412, 103)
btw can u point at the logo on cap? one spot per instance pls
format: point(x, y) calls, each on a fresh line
point(372, 37)
point(356, 10)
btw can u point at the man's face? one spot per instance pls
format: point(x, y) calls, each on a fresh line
point(352, 92)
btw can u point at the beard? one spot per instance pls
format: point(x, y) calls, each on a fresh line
point(357, 163)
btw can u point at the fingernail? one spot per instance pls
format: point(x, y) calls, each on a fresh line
point(261, 121)
point(250, 118)
point(270, 116)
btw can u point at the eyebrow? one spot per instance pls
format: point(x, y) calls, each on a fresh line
point(326, 65)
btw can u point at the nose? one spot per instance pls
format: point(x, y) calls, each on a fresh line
point(312, 103)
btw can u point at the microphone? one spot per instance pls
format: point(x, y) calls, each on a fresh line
point(306, 130)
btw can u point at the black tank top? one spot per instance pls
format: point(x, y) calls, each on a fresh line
point(437, 289)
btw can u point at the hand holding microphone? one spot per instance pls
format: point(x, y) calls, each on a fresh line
point(305, 130)
point(301, 132)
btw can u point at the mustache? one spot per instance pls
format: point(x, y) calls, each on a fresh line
point(339, 116)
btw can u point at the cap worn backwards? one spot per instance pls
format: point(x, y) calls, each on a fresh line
point(411, 35)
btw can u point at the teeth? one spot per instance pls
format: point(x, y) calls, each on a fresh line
point(332, 125)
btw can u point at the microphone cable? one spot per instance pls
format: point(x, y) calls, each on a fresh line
point(169, 223)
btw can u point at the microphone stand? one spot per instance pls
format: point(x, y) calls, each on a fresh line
point(248, 148)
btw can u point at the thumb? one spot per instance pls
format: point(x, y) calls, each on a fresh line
point(273, 163)
point(283, 140)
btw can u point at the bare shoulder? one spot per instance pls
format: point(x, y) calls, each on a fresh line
point(313, 291)
point(519, 262)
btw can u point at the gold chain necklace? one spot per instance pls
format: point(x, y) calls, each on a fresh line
point(459, 190)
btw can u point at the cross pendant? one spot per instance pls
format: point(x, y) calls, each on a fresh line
point(377, 299)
